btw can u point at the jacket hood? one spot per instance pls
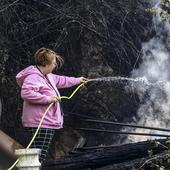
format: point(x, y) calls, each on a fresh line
point(26, 72)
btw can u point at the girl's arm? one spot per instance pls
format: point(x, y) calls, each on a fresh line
point(64, 81)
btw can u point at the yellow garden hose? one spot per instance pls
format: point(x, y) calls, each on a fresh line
point(44, 114)
point(65, 97)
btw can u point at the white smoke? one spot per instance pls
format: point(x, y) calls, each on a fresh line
point(154, 110)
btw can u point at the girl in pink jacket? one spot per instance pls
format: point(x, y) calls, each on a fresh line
point(39, 88)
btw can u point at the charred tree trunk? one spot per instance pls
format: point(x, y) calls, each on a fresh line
point(128, 155)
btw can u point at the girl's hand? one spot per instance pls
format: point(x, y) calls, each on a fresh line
point(83, 80)
point(55, 99)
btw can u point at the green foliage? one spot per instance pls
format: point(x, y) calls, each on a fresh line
point(152, 10)
point(164, 12)
point(158, 162)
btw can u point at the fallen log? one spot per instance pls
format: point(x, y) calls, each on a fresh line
point(136, 164)
point(96, 158)
point(8, 145)
point(7, 150)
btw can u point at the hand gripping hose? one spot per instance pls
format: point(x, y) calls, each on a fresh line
point(44, 114)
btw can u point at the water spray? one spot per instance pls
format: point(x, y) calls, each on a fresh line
point(143, 80)
point(119, 78)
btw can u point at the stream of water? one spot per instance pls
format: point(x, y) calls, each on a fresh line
point(141, 80)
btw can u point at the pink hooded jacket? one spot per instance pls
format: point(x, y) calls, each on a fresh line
point(36, 93)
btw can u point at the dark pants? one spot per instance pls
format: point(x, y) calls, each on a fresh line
point(42, 140)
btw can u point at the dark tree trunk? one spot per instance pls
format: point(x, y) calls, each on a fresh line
point(128, 155)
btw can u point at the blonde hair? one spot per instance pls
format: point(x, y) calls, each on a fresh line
point(45, 56)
